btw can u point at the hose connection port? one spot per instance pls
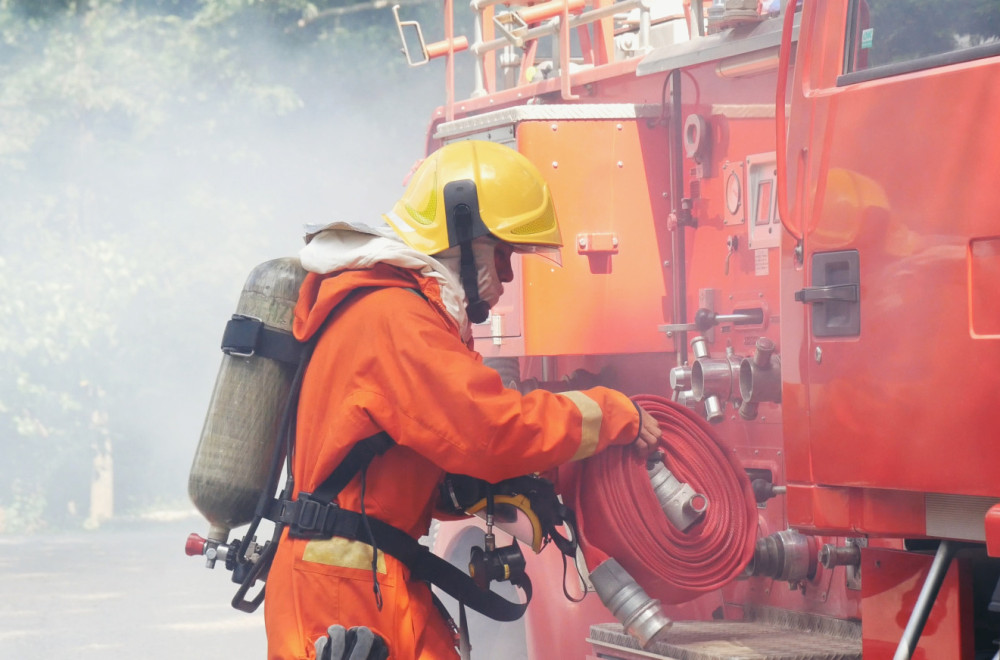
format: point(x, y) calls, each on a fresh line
point(714, 380)
point(759, 378)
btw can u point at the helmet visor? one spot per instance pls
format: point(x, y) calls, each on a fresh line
point(552, 253)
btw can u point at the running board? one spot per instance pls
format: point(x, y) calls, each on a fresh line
point(766, 634)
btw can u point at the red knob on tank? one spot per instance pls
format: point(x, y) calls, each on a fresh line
point(195, 545)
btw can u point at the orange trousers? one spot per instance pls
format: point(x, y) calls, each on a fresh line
point(307, 592)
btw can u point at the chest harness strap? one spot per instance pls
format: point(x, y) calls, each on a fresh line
point(317, 516)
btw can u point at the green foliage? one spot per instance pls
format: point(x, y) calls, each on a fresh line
point(24, 512)
point(151, 153)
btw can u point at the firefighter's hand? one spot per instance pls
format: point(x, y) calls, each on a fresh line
point(358, 643)
point(649, 433)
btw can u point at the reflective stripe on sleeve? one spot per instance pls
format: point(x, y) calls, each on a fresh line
point(591, 428)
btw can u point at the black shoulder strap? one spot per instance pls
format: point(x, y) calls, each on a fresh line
point(356, 461)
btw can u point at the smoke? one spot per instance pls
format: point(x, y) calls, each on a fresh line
point(150, 161)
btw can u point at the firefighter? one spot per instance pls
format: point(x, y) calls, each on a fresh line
point(389, 309)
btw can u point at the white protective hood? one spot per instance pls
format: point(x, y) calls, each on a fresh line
point(348, 245)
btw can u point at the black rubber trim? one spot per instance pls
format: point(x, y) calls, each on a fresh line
point(930, 62)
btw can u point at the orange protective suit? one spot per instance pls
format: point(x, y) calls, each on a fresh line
point(389, 359)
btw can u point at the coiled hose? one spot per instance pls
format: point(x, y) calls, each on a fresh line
point(619, 515)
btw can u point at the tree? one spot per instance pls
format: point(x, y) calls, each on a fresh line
point(151, 153)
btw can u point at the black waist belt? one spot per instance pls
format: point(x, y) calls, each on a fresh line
point(308, 518)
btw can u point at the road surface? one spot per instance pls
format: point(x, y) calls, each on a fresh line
point(125, 591)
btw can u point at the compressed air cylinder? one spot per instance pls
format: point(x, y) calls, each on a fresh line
point(238, 439)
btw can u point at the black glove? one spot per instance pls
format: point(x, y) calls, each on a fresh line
point(358, 643)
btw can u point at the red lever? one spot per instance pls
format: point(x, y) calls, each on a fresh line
point(195, 545)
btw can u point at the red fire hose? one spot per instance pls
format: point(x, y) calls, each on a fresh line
point(619, 515)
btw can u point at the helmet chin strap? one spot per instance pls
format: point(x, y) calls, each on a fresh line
point(477, 309)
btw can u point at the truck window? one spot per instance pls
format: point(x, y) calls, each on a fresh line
point(890, 37)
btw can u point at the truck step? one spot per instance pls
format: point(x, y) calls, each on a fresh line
point(766, 634)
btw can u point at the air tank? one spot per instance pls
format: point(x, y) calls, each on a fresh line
point(233, 458)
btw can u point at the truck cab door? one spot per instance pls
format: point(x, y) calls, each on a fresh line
point(891, 299)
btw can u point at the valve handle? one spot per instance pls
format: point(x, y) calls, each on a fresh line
point(195, 545)
point(705, 319)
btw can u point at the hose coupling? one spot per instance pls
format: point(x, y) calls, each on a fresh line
point(711, 377)
point(715, 376)
point(679, 501)
point(715, 410)
point(759, 378)
point(713, 381)
point(641, 616)
point(680, 378)
point(785, 555)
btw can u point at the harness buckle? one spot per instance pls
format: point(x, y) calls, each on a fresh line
point(313, 519)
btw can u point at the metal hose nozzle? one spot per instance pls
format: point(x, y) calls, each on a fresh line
point(640, 615)
point(679, 501)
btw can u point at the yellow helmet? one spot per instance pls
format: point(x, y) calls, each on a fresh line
point(496, 187)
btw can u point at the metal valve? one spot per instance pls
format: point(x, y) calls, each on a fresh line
point(212, 550)
point(227, 553)
point(759, 378)
point(832, 555)
point(713, 380)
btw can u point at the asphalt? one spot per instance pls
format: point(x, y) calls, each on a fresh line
point(124, 591)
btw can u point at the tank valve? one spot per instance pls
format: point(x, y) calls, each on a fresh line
point(212, 550)
point(682, 505)
point(641, 616)
point(759, 378)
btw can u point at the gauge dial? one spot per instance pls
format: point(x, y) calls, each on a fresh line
point(734, 192)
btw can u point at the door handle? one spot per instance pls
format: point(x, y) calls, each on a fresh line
point(815, 294)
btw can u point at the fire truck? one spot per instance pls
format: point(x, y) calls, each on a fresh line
point(782, 217)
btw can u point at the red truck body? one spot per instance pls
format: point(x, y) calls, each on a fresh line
point(820, 177)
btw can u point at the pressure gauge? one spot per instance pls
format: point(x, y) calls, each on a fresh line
point(733, 205)
point(734, 192)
